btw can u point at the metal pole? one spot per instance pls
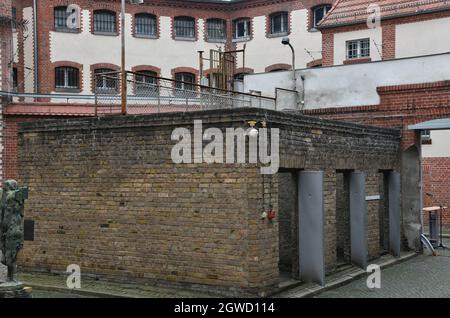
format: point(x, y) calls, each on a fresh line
point(36, 51)
point(293, 66)
point(297, 97)
point(123, 72)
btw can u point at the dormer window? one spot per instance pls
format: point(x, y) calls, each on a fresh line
point(319, 13)
point(357, 49)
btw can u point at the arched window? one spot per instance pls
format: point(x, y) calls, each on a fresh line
point(60, 16)
point(146, 82)
point(242, 29)
point(217, 29)
point(67, 77)
point(184, 81)
point(184, 27)
point(279, 23)
point(277, 70)
point(106, 80)
point(145, 25)
point(319, 13)
point(105, 21)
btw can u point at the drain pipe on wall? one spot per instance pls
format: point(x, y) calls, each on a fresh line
point(35, 47)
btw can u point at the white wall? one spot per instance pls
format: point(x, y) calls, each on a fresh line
point(353, 85)
point(423, 38)
point(340, 46)
point(28, 51)
point(440, 146)
point(262, 51)
point(15, 47)
point(166, 53)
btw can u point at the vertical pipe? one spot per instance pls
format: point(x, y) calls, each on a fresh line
point(200, 53)
point(35, 44)
point(123, 72)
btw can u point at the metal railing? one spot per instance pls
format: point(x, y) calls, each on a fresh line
point(147, 94)
point(161, 95)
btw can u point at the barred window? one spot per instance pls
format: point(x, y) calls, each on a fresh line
point(146, 82)
point(358, 48)
point(319, 13)
point(242, 28)
point(217, 29)
point(105, 21)
point(279, 22)
point(60, 18)
point(67, 77)
point(184, 80)
point(106, 80)
point(184, 27)
point(145, 24)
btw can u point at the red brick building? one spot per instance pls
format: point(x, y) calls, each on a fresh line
point(406, 29)
point(162, 37)
point(85, 50)
point(5, 61)
point(393, 29)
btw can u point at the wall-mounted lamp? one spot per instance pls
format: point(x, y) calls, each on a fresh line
point(254, 126)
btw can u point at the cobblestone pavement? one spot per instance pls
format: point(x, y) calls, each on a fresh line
point(421, 277)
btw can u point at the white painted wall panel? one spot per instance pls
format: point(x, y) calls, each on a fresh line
point(440, 146)
point(423, 38)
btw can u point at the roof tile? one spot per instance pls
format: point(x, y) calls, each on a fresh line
point(345, 12)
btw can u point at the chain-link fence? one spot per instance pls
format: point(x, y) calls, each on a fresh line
point(150, 94)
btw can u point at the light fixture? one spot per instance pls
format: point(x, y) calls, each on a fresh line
point(253, 132)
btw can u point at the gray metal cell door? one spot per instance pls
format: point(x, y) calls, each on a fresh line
point(311, 226)
point(394, 213)
point(358, 219)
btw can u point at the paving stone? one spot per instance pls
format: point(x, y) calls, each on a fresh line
point(422, 277)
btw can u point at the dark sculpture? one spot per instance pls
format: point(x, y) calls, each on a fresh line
point(11, 224)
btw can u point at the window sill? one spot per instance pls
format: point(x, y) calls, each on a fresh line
point(105, 33)
point(358, 60)
point(277, 35)
point(184, 39)
point(245, 39)
point(144, 36)
point(67, 30)
point(106, 92)
point(216, 41)
point(314, 29)
point(67, 90)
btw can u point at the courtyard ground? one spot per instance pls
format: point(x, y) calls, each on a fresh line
point(420, 277)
